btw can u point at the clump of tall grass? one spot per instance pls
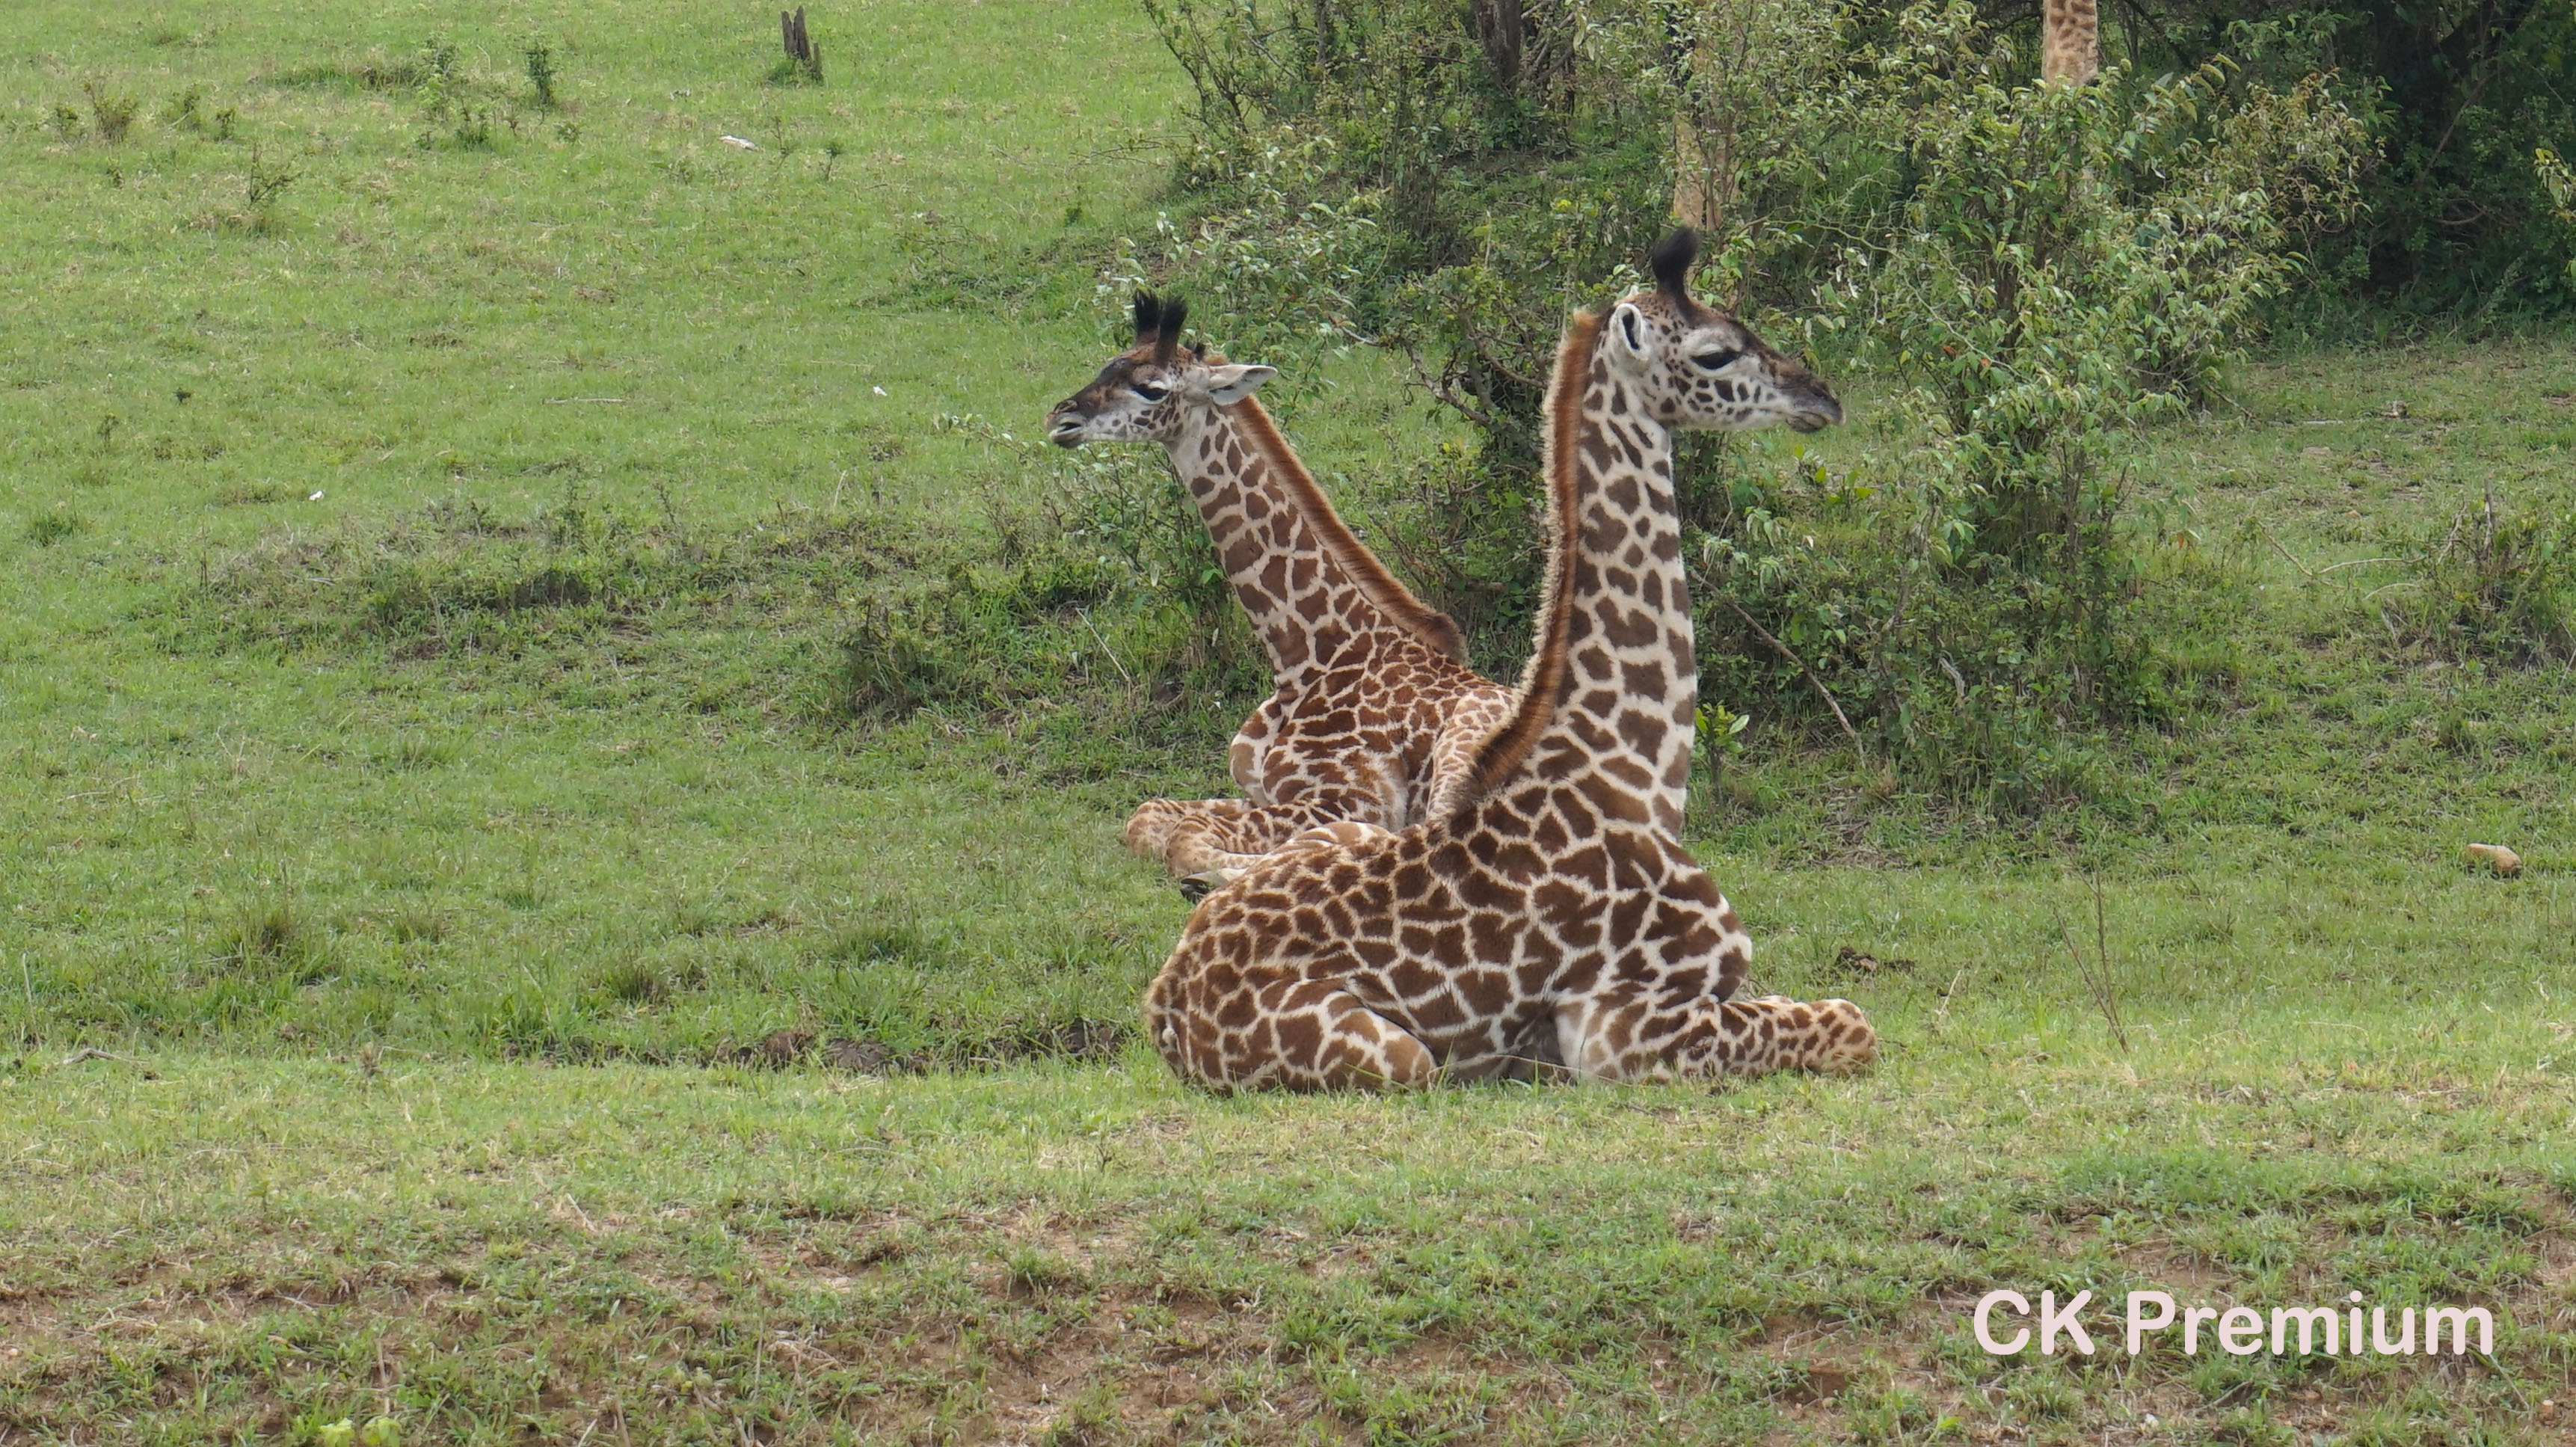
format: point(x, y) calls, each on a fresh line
point(2495, 583)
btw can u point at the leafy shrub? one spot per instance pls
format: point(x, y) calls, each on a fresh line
point(111, 115)
point(2455, 97)
point(2032, 270)
point(2055, 264)
point(540, 59)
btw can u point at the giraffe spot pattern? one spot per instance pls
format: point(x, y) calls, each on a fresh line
point(1552, 923)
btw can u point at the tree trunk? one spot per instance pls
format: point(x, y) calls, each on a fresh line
point(1498, 25)
point(2070, 41)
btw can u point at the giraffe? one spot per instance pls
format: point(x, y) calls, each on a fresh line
point(1547, 919)
point(2070, 41)
point(1371, 714)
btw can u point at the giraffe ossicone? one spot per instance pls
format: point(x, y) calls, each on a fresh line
point(1546, 918)
point(1371, 716)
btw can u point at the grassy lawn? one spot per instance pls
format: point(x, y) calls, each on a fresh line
point(431, 770)
point(1094, 1254)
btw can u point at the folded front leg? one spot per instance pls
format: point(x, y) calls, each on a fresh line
point(1150, 829)
point(1209, 836)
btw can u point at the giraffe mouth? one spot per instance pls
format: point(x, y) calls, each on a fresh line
point(1067, 433)
point(1815, 414)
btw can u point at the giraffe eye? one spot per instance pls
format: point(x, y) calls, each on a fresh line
point(1716, 360)
point(1150, 392)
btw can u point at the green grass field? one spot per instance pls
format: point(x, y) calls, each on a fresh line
point(430, 527)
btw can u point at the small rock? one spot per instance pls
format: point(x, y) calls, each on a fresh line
point(2496, 857)
point(2393, 409)
point(739, 142)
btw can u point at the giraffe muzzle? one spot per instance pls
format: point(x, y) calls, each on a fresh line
point(1815, 412)
point(1065, 431)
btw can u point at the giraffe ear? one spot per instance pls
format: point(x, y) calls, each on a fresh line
point(1629, 340)
point(1234, 381)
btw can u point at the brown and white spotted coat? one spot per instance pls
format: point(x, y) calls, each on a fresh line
point(1370, 713)
point(1549, 918)
point(2070, 41)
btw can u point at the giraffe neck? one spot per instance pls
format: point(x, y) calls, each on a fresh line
point(1303, 606)
point(1308, 582)
point(1613, 686)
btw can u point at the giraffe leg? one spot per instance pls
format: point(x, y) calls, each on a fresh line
point(1624, 1035)
point(1774, 1032)
point(1297, 1034)
point(1199, 845)
point(1341, 833)
point(1150, 829)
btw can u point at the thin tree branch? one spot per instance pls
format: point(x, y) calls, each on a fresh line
point(1822, 692)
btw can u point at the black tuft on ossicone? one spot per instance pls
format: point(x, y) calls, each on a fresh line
point(1149, 315)
point(1167, 336)
point(1671, 262)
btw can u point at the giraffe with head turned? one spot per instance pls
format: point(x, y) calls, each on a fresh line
point(1547, 917)
point(1371, 715)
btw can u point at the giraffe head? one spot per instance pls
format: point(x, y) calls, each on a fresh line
point(1700, 370)
point(1149, 392)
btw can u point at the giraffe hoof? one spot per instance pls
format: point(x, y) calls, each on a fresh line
point(1195, 887)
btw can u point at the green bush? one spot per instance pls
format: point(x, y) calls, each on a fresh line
point(2030, 271)
point(2049, 267)
point(2456, 97)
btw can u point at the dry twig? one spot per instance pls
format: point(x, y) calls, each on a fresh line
point(1822, 692)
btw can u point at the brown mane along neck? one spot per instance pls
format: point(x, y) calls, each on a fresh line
point(1383, 589)
point(1543, 683)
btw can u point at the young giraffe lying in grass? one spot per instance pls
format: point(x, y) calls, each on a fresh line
point(1547, 917)
point(1370, 716)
